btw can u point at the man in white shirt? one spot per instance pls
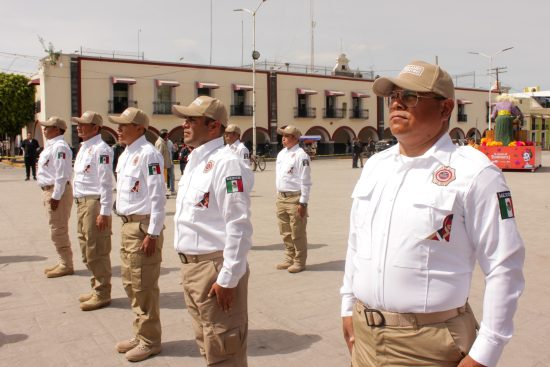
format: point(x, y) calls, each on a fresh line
point(293, 181)
point(423, 212)
point(162, 146)
point(53, 177)
point(213, 234)
point(232, 137)
point(140, 203)
point(93, 195)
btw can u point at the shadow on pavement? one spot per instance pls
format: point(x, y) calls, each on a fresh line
point(180, 348)
point(20, 259)
point(11, 339)
point(335, 265)
point(277, 341)
point(167, 300)
point(5, 294)
point(280, 246)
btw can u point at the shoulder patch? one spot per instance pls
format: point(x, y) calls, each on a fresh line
point(154, 169)
point(234, 184)
point(104, 159)
point(505, 204)
point(305, 162)
point(443, 176)
point(209, 166)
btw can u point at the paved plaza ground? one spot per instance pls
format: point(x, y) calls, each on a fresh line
point(294, 319)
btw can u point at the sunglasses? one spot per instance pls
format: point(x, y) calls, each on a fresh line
point(409, 98)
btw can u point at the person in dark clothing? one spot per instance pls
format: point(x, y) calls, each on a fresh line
point(30, 148)
point(182, 156)
point(118, 148)
point(356, 150)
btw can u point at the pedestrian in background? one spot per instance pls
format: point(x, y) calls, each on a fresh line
point(30, 150)
point(93, 195)
point(54, 178)
point(140, 203)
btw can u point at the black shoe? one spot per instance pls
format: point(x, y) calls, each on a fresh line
point(34, 178)
point(27, 179)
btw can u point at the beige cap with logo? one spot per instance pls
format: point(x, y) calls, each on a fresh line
point(290, 130)
point(131, 115)
point(89, 117)
point(203, 106)
point(55, 121)
point(418, 76)
point(232, 128)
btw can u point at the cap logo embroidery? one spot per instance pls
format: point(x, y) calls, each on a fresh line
point(126, 113)
point(415, 70)
point(443, 176)
point(197, 102)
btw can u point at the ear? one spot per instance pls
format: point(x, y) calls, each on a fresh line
point(447, 107)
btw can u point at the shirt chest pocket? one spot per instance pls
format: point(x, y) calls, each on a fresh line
point(362, 218)
point(85, 166)
point(431, 216)
point(198, 197)
point(133, 180)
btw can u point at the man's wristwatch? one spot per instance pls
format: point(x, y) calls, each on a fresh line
point(304, 205)
point(153, 236)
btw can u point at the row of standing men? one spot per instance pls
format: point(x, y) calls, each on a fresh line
point(213, 231)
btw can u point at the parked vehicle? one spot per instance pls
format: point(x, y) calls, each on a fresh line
point(383, 145)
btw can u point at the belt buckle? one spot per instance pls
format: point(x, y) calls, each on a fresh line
point(183, 258)
point(370, 320)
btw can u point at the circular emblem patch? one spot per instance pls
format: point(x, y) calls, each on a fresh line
point(443, 176)
point(208, 166)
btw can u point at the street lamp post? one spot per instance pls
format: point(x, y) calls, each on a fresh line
point(255, 56)
point(490, 57)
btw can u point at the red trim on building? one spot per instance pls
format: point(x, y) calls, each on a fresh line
point(120, 80)
point(207, 85)
point(242, 87)
point(306, 91)
point(334, 93)
point(359, 95)
point(169, 83)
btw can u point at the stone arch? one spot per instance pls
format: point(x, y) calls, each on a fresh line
point(262, 139)
point(457, 135)
point(473, 133)
point(342, 138)
point(108, 135)
point(176, 135)
point(152, 135)
point(324, 146)
point(368, 132)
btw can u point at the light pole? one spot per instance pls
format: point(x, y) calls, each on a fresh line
point(490, 57)
point(255, 56)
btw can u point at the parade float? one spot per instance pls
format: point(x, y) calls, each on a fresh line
point(506, 146)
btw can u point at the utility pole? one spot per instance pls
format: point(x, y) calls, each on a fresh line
point(496, 71)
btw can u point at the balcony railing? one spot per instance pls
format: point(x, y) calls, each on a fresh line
point(163, 108)
point(333, 113)
point(462, 117)
point(118, 106)
point(358, 113)
point(241, 110)
point(310, 112)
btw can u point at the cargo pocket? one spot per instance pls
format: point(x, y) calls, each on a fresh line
point(222, 344)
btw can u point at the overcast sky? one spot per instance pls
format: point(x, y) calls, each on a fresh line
point(378, 34)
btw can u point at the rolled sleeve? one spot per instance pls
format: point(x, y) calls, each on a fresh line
point(500, 253)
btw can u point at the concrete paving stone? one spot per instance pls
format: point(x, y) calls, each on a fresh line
point(293, 318)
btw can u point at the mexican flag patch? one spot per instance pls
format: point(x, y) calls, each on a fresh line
point(103, 159)
point(154, 169)
point(234, 184)
point(505, 205)
point(61, 155)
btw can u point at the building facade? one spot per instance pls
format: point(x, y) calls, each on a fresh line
point(336, 107)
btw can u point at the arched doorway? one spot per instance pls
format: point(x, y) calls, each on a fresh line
point(323, 144)
point(342, 138)
point(152, 135)
point(108, 135)
point(262, 140)
point(474, 133)
point(367, 133)
point(457, 136)
point(176, 135)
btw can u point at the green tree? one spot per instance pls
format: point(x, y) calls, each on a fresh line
point(16, 104)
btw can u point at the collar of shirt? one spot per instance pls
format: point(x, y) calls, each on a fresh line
point(441, 150)
point(199, 153)
point(52, 141)
point(236, 143)
point(136, 144)
point(92, 141)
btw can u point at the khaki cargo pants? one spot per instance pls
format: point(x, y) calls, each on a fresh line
point(140, 275)
point(58, 221)
point(95, 246)
point(221, 336)
point(292, 228)
point(436, 345)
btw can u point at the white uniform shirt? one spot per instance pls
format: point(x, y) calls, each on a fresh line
point(400, 256)
point(55, 166)
point(239, 148)
point(93, 173)
point(293, 172)
point(140, 183)
point(213, 209)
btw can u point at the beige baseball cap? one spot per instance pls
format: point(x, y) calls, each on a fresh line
point(232, 128)
point(203, 106)
point(290, 130)
point(131, 115)
point(89, 117)
point(55, 121)
point(418, 76)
